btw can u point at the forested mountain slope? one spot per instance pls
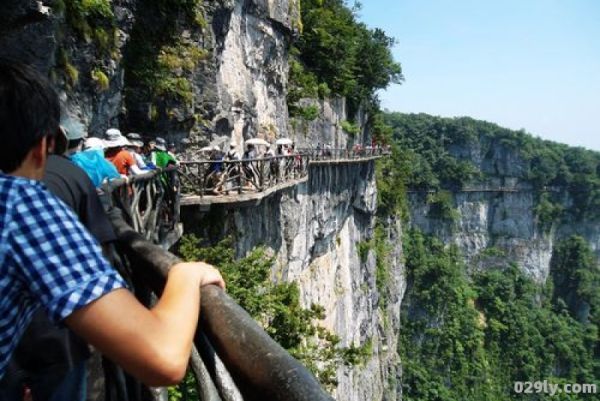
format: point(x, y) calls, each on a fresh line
point(501, 259)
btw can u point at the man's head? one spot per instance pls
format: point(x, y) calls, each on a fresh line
point(75, 134)
point(29, 119)
point(94, 144)
point(136, 141)
point(113, 139)
point(160, 144)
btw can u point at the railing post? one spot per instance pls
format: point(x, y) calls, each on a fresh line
point(240, 172)
point(261, 175)
point(201, 179)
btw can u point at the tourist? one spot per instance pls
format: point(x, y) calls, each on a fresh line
point(115, 151)
point(269, 152)
point(135, 148)
point(249, 168)
point(172, 151)
point(233, 154)
point(61, 373)
point(50, 261)
point(159, 155)
point(91, 160)
point(215, 176)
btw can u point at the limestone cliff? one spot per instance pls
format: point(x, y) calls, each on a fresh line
point(497, 219)
point(216, 72)
point(318, 227)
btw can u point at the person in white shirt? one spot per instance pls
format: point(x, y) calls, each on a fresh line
point(135, 148)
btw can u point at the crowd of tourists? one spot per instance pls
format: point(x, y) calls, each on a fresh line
point(263, 164)
point(61, 289)
point(256, 166)
point(115, 155)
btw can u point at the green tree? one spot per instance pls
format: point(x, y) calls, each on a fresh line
point(337, 54)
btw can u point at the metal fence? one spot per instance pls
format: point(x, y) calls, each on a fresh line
point(356, 153)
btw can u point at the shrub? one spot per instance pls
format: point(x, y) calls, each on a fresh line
point(101, 80)
point(277, 307)
point(72, 74)
point(308, 113)
point(350, 128)
point(363, 248)
point(441, 206)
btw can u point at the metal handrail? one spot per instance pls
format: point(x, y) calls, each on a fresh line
point(341, 154)
point(257, 368)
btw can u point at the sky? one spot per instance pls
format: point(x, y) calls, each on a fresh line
point(523, 64)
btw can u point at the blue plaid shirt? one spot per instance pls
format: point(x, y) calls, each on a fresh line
point(47, 259)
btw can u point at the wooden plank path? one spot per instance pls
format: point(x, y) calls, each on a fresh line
point(246, 198)
point(484, 190)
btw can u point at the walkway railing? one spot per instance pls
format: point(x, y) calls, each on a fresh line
point(149, 202)
point(358, 153)
point(225, 177)
point(228, 177)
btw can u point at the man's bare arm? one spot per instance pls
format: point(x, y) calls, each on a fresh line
point(153, 345)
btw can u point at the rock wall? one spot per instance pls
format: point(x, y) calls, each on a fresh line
point(37, 32)
point(497, 227)
point(314, 230)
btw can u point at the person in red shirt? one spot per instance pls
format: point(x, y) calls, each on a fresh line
point(119, 156)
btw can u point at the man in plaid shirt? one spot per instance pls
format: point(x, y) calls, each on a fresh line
point(48, 260)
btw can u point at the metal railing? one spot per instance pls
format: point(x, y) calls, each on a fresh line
point(356, 153)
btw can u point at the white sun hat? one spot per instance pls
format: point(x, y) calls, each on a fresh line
point(114, 139)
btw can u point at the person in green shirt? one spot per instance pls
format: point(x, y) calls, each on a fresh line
point(160, 157)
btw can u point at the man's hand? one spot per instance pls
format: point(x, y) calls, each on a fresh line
point(204, 273)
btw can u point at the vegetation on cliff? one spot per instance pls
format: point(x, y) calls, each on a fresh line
point(441, 153)
point(277, 308)
point(161, 60)
point(471, 338)
point(336, 54)
point(469, 334)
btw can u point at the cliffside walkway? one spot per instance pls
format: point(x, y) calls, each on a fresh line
point(245, 182)
point(488, 189)
point(151, 202)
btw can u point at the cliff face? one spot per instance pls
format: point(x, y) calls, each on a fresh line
point(497, 220)
point(217, 73)
point(314, 231)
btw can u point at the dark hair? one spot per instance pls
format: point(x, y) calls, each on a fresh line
point(73, 143)
point(29, 111)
